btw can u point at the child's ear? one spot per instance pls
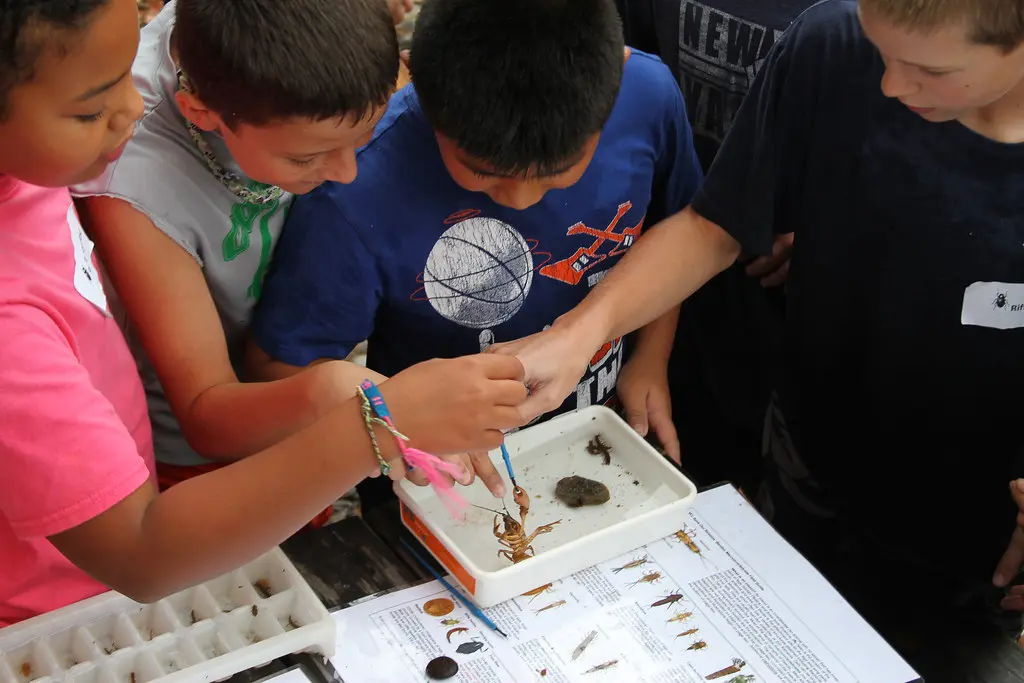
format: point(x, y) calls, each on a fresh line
point(193, 109)
point(627, 52)
point(404, 78)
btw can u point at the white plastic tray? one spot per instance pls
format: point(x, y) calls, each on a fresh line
point(238, 621)
point(648, 499)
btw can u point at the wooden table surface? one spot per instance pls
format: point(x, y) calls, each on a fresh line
point(355, 559)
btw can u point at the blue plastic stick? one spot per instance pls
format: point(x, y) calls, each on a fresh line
point(508, 466)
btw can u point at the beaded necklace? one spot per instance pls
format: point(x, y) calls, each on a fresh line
point(253, 193)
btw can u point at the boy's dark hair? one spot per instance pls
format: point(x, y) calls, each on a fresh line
point(998, 23)
point(27, 27)
point(519, 85)
point(259, 61)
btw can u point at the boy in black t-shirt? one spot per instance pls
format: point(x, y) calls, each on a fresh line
point(888, 137)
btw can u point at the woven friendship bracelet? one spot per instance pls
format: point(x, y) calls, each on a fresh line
point(370, 419)
point(433, 467)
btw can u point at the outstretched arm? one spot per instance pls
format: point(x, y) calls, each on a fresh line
point(172, 312)
point(673, 260)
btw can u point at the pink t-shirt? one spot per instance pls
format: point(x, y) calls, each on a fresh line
point(74, 432)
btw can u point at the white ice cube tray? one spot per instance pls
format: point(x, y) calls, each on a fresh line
point(243, 619)
point(649, 496)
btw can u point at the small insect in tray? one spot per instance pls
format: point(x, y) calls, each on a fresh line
point(598, 447)
point(263, 588)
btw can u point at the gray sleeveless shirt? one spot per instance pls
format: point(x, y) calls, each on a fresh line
point(163, 175)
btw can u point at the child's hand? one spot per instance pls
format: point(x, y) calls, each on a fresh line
point(474, 465)
point(643, 390)
point(1009, 567)
point(461, 405)
point(773, 270)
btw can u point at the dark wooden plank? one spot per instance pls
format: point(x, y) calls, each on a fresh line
point(346, 561)
point(386, 522)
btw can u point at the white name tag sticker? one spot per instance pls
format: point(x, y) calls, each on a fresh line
point(998, 305)
point(87, 277)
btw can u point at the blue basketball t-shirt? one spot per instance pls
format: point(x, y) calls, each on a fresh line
point(406, 258)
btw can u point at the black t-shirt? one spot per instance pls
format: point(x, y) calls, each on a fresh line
point(910, 418)
point(714, 48)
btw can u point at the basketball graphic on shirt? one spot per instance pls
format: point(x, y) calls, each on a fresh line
point(478, 273)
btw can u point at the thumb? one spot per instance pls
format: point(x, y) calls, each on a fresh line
point(637, 419)
point(536, 404)
point(1012, 561)
point(487, 473)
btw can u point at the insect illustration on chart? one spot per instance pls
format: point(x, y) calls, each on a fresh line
point(537, 591)
point(545, 608)
point(470, 646)
point(452, 632)
point(670, 599)
point(687, 632)
point(685, 536)
point(597, 446)
point(650, 577)
point(697, 645)
point(639, 562)
point(734, 668)
point(583, 645)
point(511, 534)
point(742, 678)
point(601, 667)
point(450, 622)
point(679, 616)
point(1000, 300)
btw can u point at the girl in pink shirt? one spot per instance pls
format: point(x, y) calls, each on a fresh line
point(79, 511)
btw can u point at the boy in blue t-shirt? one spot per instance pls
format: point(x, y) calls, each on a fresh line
point(527, 157)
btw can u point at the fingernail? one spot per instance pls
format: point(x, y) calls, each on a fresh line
point(499, 490)
point(1020, 484)
point(999, 579)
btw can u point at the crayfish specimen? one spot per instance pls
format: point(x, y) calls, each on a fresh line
point(512, 534)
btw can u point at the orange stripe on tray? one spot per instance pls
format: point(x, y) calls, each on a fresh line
point(420, 531)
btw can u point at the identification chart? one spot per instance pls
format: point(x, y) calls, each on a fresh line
point(723, 599)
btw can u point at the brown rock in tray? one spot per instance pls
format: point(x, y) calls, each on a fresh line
point(578, 491)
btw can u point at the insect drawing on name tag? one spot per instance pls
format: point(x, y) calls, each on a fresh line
point(1000, 301)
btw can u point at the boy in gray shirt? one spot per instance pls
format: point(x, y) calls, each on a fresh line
point(246, 104)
